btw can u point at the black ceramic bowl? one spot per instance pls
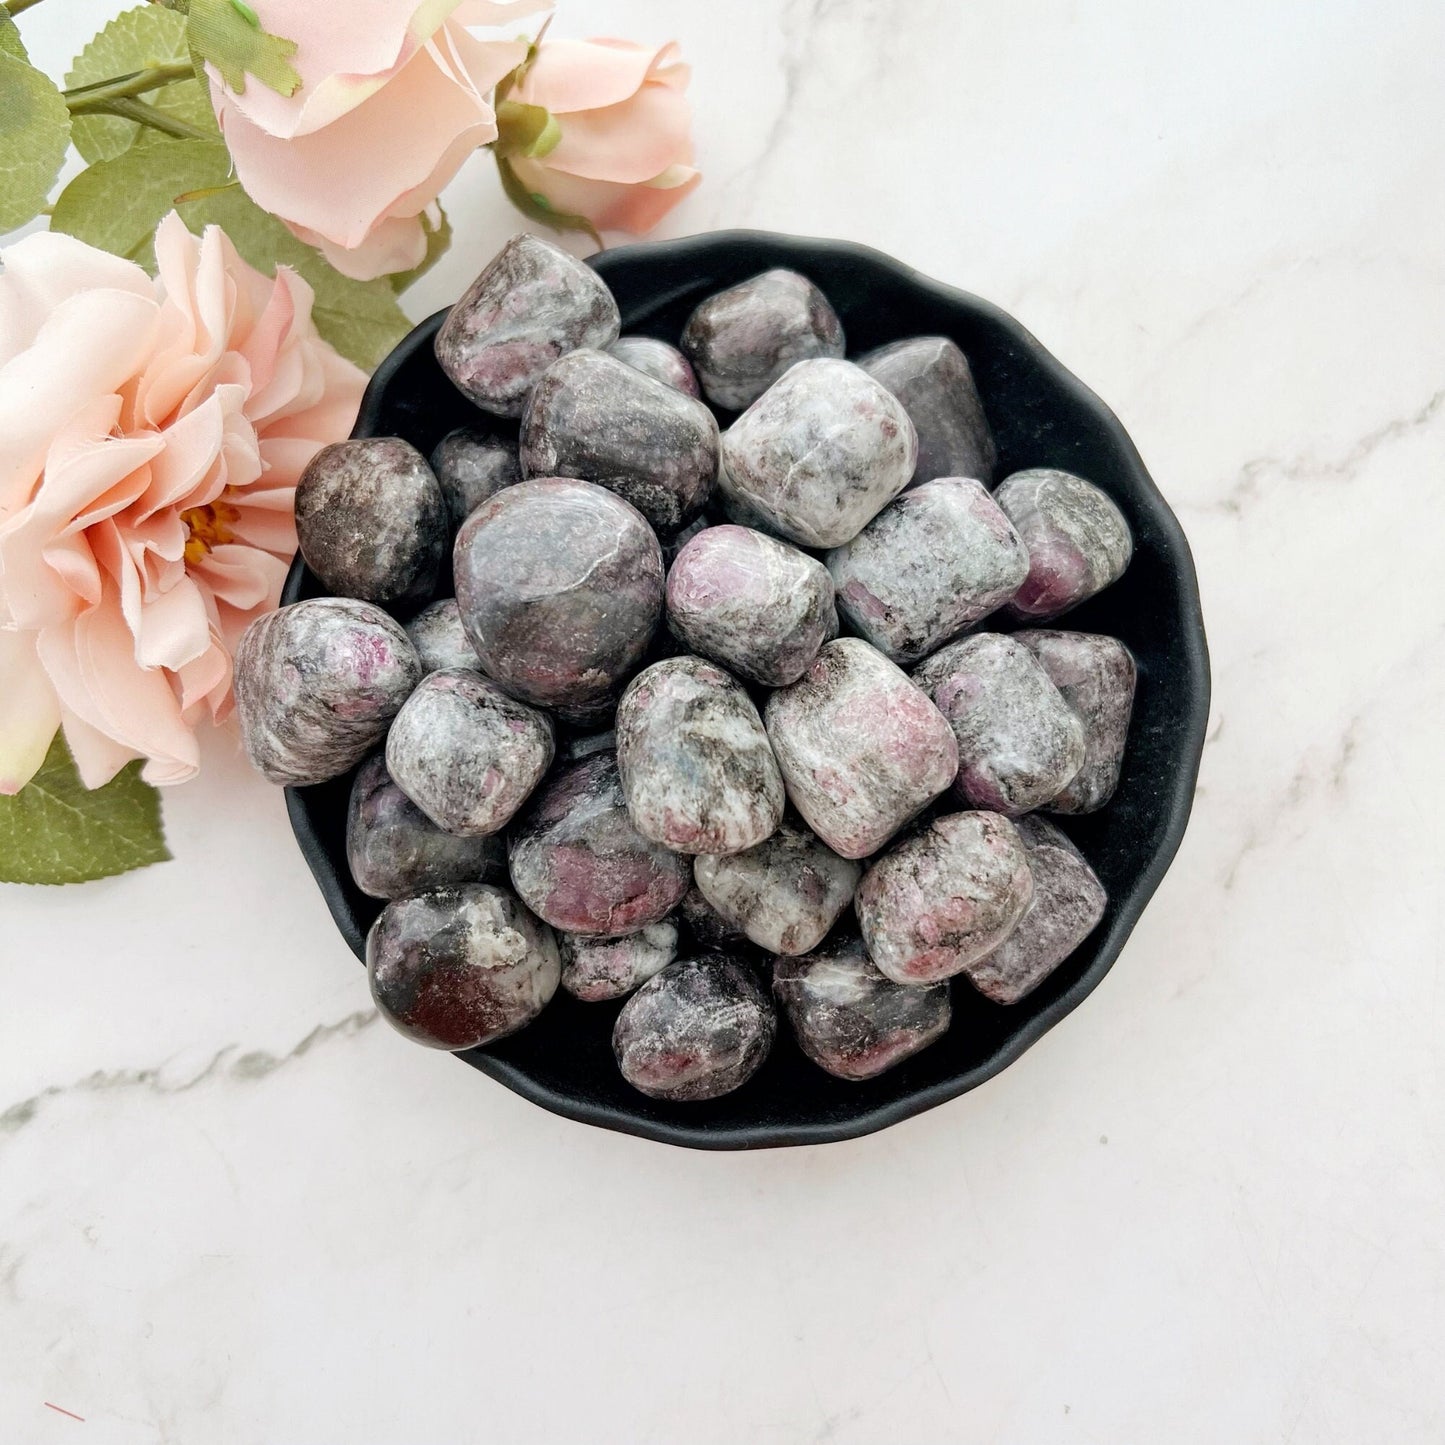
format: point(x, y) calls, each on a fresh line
point(1041, 416)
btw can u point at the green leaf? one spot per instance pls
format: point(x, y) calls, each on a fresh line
point(135, 40)
point(117, 204)
point(10, 41)
point(438, 243)
point(55, 830)
point(34, 136)
point(223, 34)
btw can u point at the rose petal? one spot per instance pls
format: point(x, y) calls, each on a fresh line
point(29, 711)
point(571, 75)
point(608, 205)
point(630, 142)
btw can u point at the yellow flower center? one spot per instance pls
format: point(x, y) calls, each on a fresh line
point(209, 526)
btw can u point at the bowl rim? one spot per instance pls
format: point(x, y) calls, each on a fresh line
point(1195, 661)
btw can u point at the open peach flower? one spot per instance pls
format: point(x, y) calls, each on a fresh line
point(151, 435)
point(624, 159)
point(395, 95)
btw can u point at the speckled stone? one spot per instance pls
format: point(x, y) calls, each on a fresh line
point(1096, 676)
point(861, 748)
point(944, 897)
point(1067, 905)
point(933, 380)
point(658, 360)
point(394, 850)
point(573, 747)
point(595, 417)
point(697, 771)
point(577, 861)
point(597, 969)
point(1019, 742)
point(705, 925)
point(531, 304)
point(750, 602)
point(785, 894)
point(697, 1030)
point(467, 754)
point(820, 454)
point(1077, 538)
point(849, 1018)
point(440, 639)
point(560, 588)
point(316, 685)
point(472, 465)
point(459, 968)
point(741, 340)
point(371, 521)
point(931, 563)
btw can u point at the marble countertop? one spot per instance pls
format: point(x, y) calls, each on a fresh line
point(1207, 1207)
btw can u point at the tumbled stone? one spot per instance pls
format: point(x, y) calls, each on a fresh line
point(933, 380)
point(1078, 540)
point(741, 340)
point(1019, 742)
point(750, 602)
point(785, 893)
point(316, 685)
point(394, 850)
point(697, 771)
point(459, 968)
point(658, 360)
point(820, 454)
point(371, 521)
point(944, 897)
point(861, 748)
point(1068, 902)
point(531, 304)
point(931, 563)
point(577, 861)
point(560, 588)
point(467, 754)
point(573, 747)
point(472, 465)
point(595, 417)
point(705, 925)
point(852, 1020)
point(697, 1030)
point(1096, 677)
point(597, 969)
point(440, 639)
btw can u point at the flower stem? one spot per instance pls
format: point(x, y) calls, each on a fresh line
point(137, 110)
point(123, 87)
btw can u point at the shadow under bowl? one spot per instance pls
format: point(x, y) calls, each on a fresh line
point(1042, 416)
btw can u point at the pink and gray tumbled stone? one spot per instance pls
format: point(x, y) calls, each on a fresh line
point(785, 893)
point(316, 685)
point(1019, 743)
point(595, 417)
point(532, 304)
point(944, 897)
point(819, 454)
point(852, 1020)
point(371, 521)
point(577, 861)
point(1096, 676)
point(741, 340)
point(697, 1030)
point(394, 850)
point(560, 588)
point(597, 969)
point(459, 968)
point(440, 639)
point(861, 748)
point(705, 925)
point(931, 563)
point(658, 360)
point(1078, 540)
point(467, 754)
point(933, 380)
point(472, 465)
point(750, 602)
point(1068, 903)
point(697, 771)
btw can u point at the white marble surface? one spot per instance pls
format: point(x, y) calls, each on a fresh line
point(1208, 1207)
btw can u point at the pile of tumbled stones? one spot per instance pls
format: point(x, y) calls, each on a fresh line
point(637, 709)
